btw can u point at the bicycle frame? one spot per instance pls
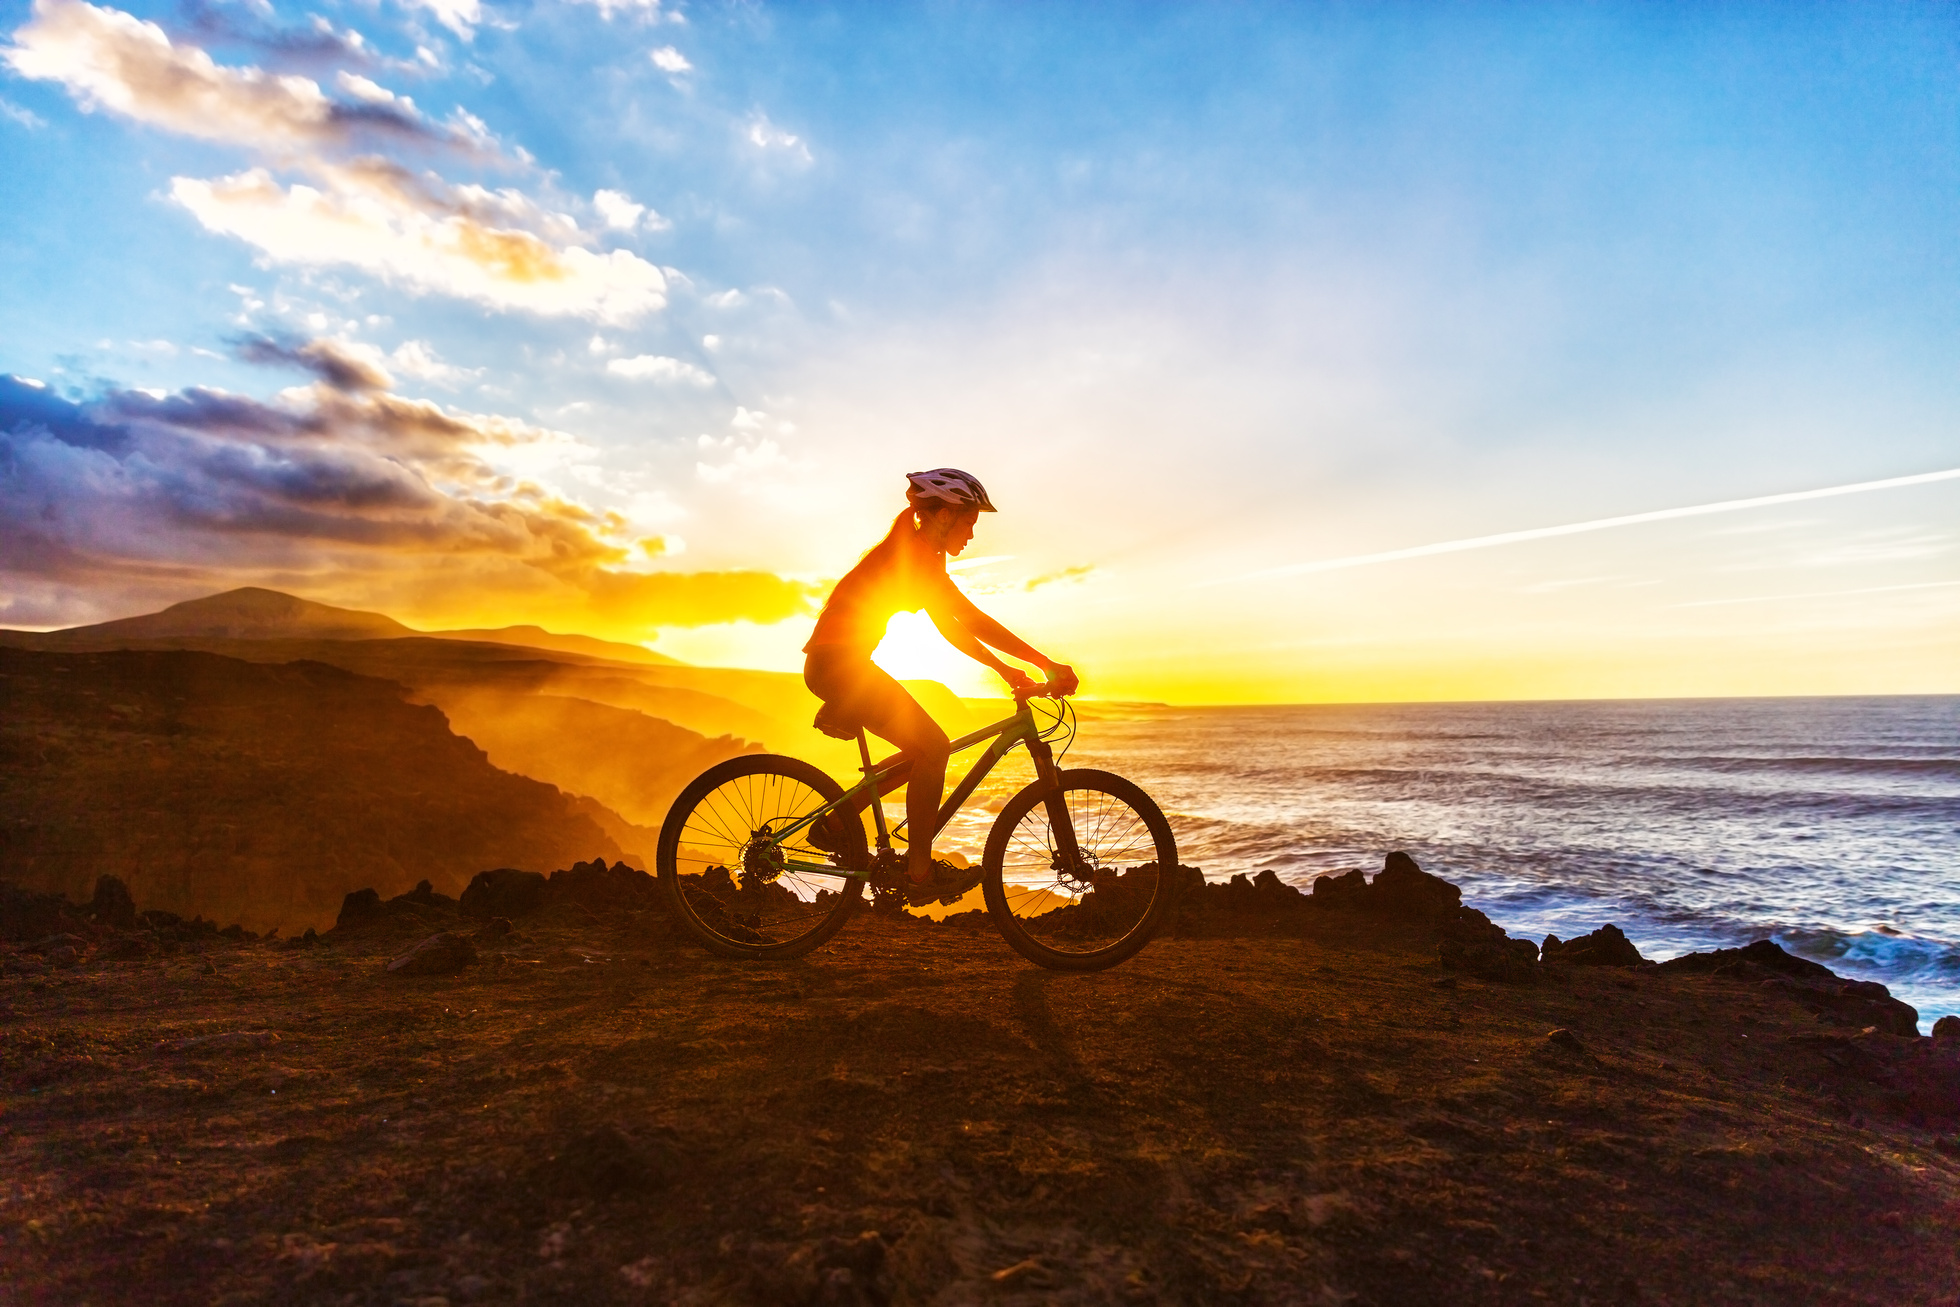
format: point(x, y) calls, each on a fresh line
point(1021, 728)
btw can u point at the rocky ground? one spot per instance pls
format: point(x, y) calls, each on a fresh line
point(1285, 1099)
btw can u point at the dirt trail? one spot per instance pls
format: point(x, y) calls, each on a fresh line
point(596, 1112)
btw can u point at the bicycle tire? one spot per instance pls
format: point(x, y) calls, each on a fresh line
point(737, 914)
point(1116, 917)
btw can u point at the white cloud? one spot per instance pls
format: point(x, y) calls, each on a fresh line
point(658, 367)
point(621, 213)
point(740, 460)
point(711, 342)
point(16, 114)
point(765, 135)
point(669, 60)
point(111, 60)
point(424, 236)
point(748, 419)
point(362, 88)
point(459, 16)
point(417, 358)
point(648, 10)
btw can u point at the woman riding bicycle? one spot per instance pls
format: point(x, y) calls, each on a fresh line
point(906, 572)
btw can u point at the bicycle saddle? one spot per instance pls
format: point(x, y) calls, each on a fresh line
point(833, 721)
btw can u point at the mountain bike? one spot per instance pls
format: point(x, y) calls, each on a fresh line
point(1079, 866)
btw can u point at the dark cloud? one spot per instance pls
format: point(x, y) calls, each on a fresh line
point(331, 362)
point(313, 45)
point(130, 490)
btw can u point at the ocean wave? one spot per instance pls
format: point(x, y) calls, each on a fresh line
point(1948, 768)
point(1887, 953)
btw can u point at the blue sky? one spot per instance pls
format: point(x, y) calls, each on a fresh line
point(1196, 290)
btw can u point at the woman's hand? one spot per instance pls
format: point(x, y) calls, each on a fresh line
point(1062, 680)
point(1017, 680)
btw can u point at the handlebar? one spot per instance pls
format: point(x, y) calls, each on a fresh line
point(1048, 690)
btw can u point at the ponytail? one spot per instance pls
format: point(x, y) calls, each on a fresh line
point(901, 524)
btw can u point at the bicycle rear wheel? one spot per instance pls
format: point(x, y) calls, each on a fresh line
point(1098, 906)
point(715, 869)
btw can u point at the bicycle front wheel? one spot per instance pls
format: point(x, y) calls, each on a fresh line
point(1078, 876)
point(720, 860)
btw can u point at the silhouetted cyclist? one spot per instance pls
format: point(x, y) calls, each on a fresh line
point(905, 572)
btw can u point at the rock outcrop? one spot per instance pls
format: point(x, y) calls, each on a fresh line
point(1475, 944)
point(504, 892)
point(1836, 1000)
point(1605, 947)
point(594, 886)
point(366, 906)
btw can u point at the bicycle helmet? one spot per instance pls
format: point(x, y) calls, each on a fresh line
point(948, 485)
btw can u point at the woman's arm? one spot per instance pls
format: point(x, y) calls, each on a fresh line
point(965, 627)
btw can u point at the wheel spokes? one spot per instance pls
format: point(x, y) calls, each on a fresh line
point(753, 899)
point(1103, 895)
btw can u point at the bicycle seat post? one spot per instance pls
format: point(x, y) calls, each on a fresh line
point(877, 799)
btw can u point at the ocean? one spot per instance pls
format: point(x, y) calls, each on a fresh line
point(1829, 825)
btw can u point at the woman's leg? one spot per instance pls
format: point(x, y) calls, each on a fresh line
point(868, 694)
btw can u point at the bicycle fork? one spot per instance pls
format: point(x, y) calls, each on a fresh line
point(1060, 824)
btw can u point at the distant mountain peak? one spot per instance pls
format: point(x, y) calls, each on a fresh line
point(253, 613)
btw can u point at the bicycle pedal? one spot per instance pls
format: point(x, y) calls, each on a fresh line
point(954, 895)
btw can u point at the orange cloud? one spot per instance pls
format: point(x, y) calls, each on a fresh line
point(341, 486)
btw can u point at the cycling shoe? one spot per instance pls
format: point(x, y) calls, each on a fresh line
point(946, 885)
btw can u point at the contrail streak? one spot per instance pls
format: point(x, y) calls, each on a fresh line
point(1598, 524)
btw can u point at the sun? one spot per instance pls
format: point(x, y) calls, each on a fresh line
point(913, 649)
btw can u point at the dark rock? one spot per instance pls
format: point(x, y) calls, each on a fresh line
point(493, 929)
point(1763, 953)
point(1472, 942)
point(864, 1255)
point(1269, 886)
point(505, 892)
point(438, 955)
point(1403, 889)
point(1344, 890)
point(1839, 1001)
point(123, 948)
point(26, 914)
point(1399, 889)
point(604, 1162)
point(1605, 947)
point(602, 889)
point(1565, 1039)
point(1947, 1030)
point(359, 909)
point(423, 895)
point(113, 905)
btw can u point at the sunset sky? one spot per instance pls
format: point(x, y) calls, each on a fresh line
point(628, 318)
